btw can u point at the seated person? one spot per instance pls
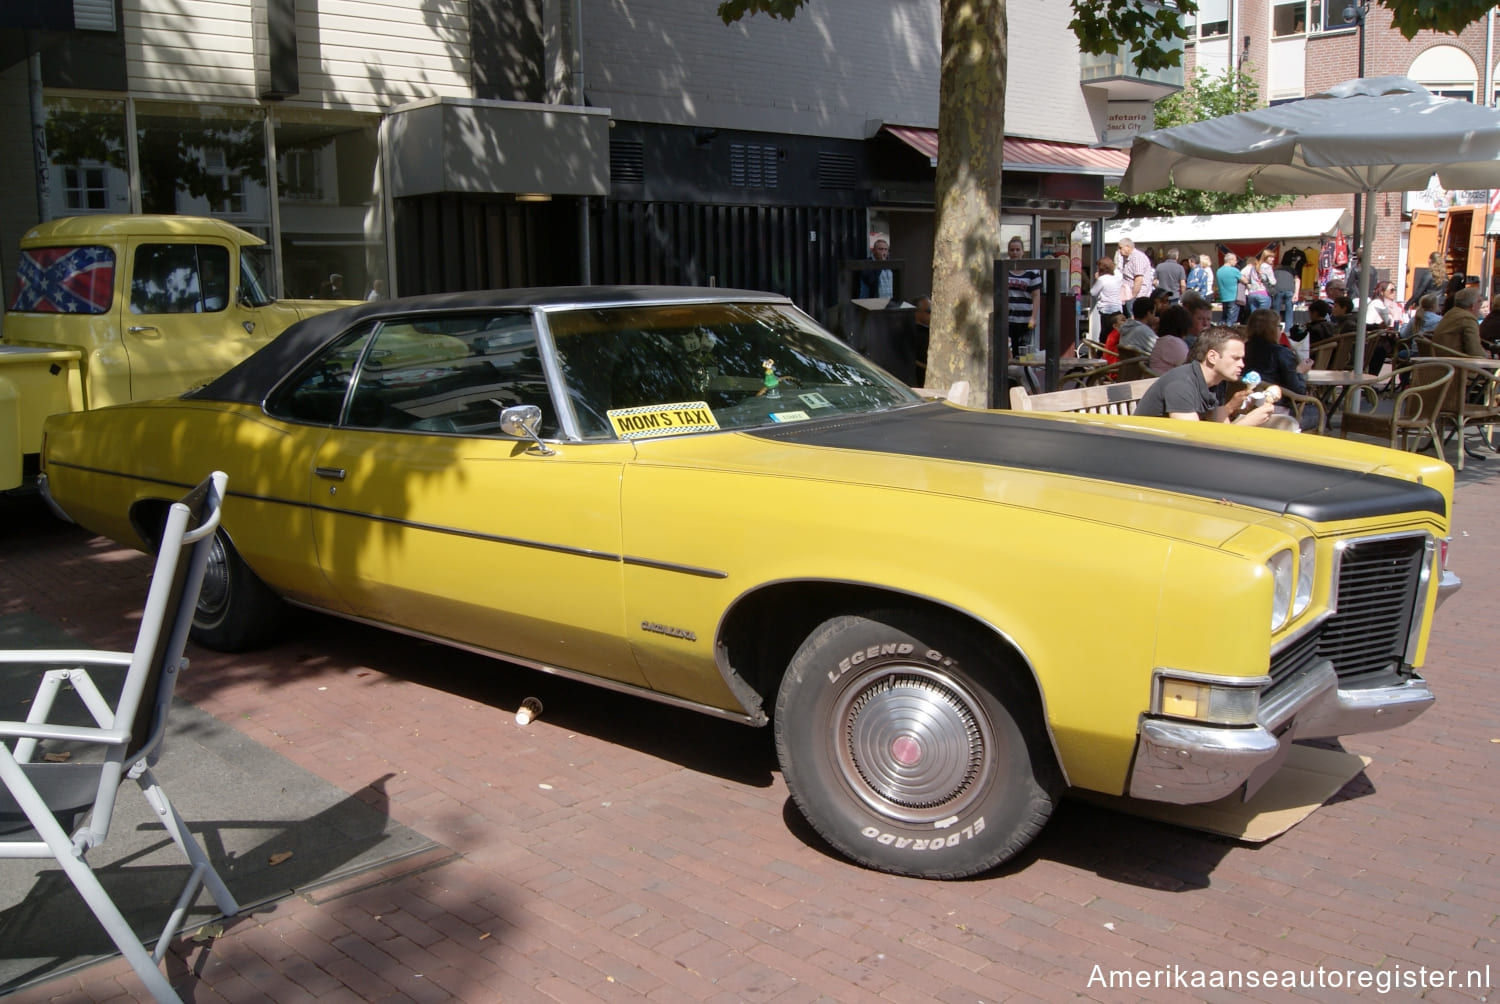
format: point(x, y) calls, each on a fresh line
point(1171, 349)
point(1459, 328)
point(1345, 320)
point(1196, 390)
point(1424, 318)
point(1112, 340)
point(1489, 328)
point(1139, 333)
point(1265, 354)
point(1320, 326)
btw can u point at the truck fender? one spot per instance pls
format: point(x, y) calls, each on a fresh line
point(10, 435)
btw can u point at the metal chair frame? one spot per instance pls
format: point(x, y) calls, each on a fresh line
point(63, 810)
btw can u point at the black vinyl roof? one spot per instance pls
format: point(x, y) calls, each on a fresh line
point(254, 378)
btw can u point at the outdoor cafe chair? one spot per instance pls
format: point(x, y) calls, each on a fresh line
point(1415, 409)
point(1472, 402)
point(62, 810)
point(1124, 371)
point(1300, 403)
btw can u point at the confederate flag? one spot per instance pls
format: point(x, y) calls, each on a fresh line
point(76, 280)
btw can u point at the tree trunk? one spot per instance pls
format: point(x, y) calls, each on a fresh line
point(971, 129)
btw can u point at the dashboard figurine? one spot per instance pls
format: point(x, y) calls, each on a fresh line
point(771, 380)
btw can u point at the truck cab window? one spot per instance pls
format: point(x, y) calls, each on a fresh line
point(179, 279)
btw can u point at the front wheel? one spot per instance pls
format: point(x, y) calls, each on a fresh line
point(911, 750)
point(236, 611)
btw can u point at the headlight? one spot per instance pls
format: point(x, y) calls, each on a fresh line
point(1207, 701)
point(1307, 566)
point(1282, 569)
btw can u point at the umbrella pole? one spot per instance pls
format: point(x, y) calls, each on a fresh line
point(1367, 245)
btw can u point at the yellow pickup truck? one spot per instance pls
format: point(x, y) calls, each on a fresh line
point(110, 309)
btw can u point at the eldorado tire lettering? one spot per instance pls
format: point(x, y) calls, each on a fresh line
point(924, 843)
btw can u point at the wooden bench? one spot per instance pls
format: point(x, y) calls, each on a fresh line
point(1101, 399)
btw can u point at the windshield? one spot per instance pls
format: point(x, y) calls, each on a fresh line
point(642, 371)
point(255, 262)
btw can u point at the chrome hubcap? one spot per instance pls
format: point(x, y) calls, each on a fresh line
point(912, 744)
point(215, 580)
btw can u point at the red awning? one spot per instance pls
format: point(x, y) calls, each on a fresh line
point(1029, 154)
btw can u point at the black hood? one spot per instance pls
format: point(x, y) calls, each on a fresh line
point(1311, 491)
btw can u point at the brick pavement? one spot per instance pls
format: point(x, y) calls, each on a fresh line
point(618, 850)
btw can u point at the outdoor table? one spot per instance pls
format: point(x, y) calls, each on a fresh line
point(1031, 368)
point(1334, 384)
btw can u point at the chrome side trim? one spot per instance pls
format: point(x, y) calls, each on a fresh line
point(580, 552)
point(667, 566)
point(570, 674)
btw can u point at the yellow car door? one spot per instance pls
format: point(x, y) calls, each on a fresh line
point(428, 518)
point(183, 325)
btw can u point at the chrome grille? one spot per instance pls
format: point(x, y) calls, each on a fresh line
point(1297, 656)
point(1375, 600)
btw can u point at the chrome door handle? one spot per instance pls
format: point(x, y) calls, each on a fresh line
point(331, 473)
point(136, 329)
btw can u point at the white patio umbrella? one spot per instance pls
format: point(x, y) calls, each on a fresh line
point(1367, 135)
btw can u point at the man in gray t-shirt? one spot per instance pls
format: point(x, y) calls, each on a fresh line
point(1171, 277)
point(1195, 391)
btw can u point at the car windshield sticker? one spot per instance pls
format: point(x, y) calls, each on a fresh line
point(814, 400)
point(663, 420)
point(789, 416)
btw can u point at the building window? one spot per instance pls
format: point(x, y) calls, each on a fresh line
point(1447, 71)
point(301, 175)
point(227, 197)
point(1289, 18)
point(1334, 15)
point(1212, 19)
point(84, 189)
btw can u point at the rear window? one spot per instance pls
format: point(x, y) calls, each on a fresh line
point(68, 280)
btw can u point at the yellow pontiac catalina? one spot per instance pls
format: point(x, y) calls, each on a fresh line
point(699, 496)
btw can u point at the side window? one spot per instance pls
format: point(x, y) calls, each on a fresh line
point(179, 279)
point(70, 280)
point(452, 374)
point(316, 392)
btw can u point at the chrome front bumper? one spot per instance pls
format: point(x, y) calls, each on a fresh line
point(41, 486)
point(1188, 762)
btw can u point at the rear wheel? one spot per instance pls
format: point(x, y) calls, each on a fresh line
point(236, 611)
point(911, 750)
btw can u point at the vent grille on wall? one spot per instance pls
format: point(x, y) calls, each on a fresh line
point(94, 15)
point(627, 161)
point(752, 165)
point(836, 170)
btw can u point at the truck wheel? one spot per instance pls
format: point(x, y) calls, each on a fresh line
point(910, 750)
point(235, 610)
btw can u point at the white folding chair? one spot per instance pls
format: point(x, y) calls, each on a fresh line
point(62, 810)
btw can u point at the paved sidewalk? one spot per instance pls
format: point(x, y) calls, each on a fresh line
point(616, 850)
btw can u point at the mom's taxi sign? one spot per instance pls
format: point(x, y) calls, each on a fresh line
point(663, 420)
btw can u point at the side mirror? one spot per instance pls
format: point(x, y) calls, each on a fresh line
point(523, 421)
